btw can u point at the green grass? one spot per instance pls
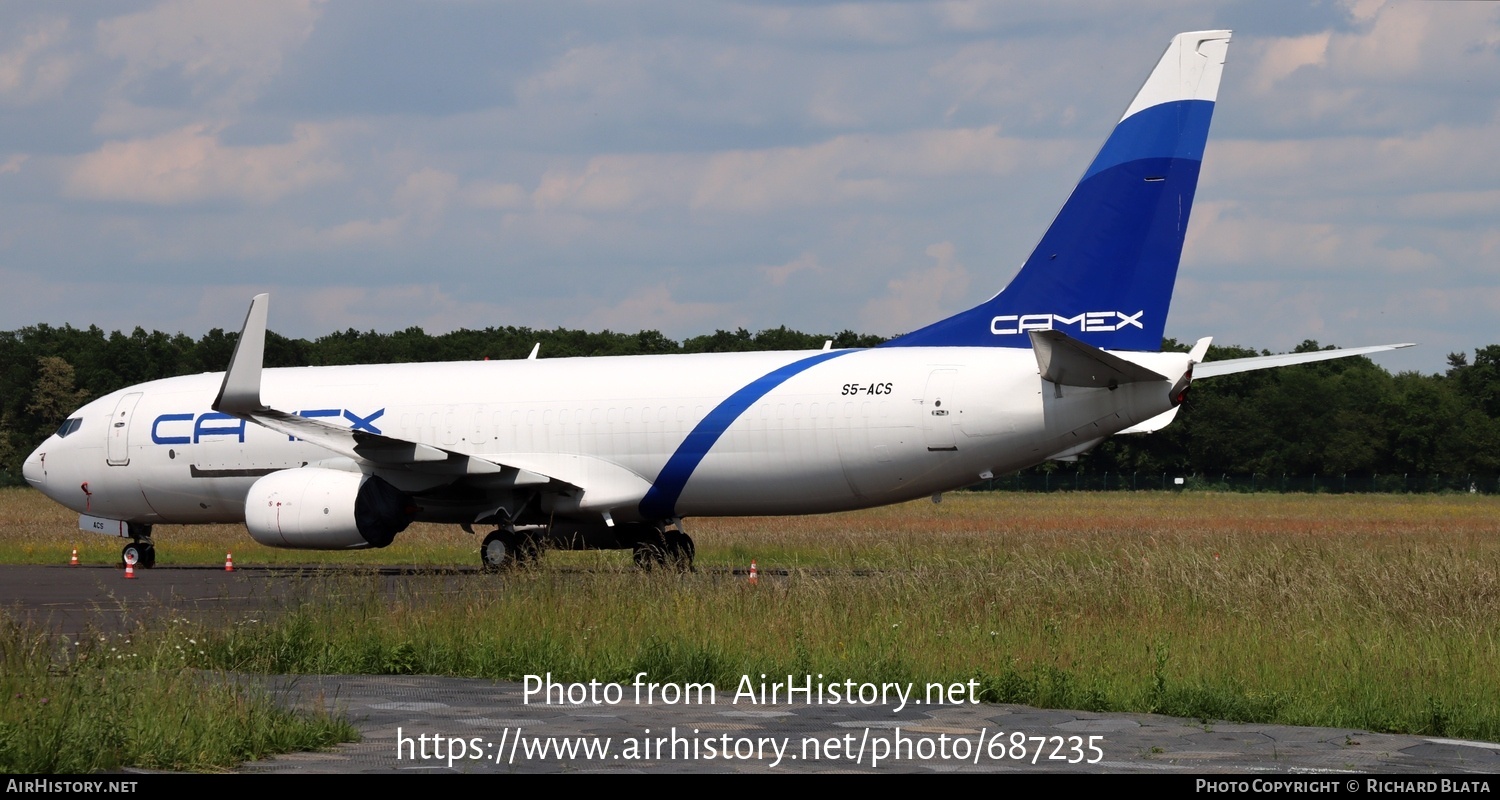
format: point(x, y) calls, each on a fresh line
point(1374, 612)
point(104, 702)
point(1065, 639)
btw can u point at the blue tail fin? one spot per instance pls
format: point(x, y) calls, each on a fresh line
point(1104, 271)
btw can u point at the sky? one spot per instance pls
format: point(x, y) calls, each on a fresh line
point(691, 166)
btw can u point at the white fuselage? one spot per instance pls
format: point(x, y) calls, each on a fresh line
point(703, 435)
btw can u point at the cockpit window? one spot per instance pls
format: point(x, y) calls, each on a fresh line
point(68, 426)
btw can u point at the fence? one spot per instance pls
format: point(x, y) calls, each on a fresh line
point(1081, 481)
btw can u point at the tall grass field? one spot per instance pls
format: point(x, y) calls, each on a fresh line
point(1377, 612)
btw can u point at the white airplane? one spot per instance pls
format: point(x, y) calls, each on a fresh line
point(615, 452)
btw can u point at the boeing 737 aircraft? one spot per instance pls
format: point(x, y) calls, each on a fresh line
point(616, 452)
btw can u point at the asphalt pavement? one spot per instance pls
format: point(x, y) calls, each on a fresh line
point(439, 724)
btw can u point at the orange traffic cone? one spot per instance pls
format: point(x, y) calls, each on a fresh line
point(129, 569)
point(754, 578)
point(229, 562)
point(74, 561)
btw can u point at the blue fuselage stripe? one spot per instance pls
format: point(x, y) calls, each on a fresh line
point(661, 500)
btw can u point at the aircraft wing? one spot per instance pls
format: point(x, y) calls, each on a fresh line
point(1233, 365)
point(239, 396)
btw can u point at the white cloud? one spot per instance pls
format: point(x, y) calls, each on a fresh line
point(921, 296)
point(855, 169)
point(838, 171)
point(1225, 233)
point(358, 233)
point(763, 158)
point(762, 180)
point(424, 197)
point(778, 275)
point(384, 308)
point(1398, 41)
point(32, 69)
point(1450, 205)
point(228, 51)
point(653, 308)
point(495, 195)
point(590, 71)
point(313, 311)
point(191, 165)
point(1438, 156)
point(615, 183)
point(984, 73)
point(1392, 66)
point(1281, 57)
point(418, 206)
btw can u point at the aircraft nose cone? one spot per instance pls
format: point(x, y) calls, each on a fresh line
point(35, 469)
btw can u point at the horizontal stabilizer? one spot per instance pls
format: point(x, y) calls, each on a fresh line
point(1233, 365)
point(1066, 361)
point(1156, 423)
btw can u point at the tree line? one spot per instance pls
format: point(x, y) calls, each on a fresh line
point(1339, 417)
point(1346, 416)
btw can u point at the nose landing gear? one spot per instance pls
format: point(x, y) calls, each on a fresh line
point(141, 554)
point(141, 551)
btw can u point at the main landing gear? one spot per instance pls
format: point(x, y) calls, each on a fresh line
point(507, 549)
point(653, 545)
point(141, 551)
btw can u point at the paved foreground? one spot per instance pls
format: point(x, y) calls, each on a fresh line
point(467, 725)
point(423, 723)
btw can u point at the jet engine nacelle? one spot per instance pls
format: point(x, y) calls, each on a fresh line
point(324, 509)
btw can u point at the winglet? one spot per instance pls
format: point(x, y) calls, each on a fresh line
point(241, 390)
point(1200, 350)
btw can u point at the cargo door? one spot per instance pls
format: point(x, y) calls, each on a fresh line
point(939, 410)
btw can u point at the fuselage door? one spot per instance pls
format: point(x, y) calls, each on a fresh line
point(939, 410)
point(118, 446)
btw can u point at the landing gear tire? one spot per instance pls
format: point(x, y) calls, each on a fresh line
point(673, 549)
point(503, 550)
point(649, 555)
point(680, 551)
point(141, 554)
